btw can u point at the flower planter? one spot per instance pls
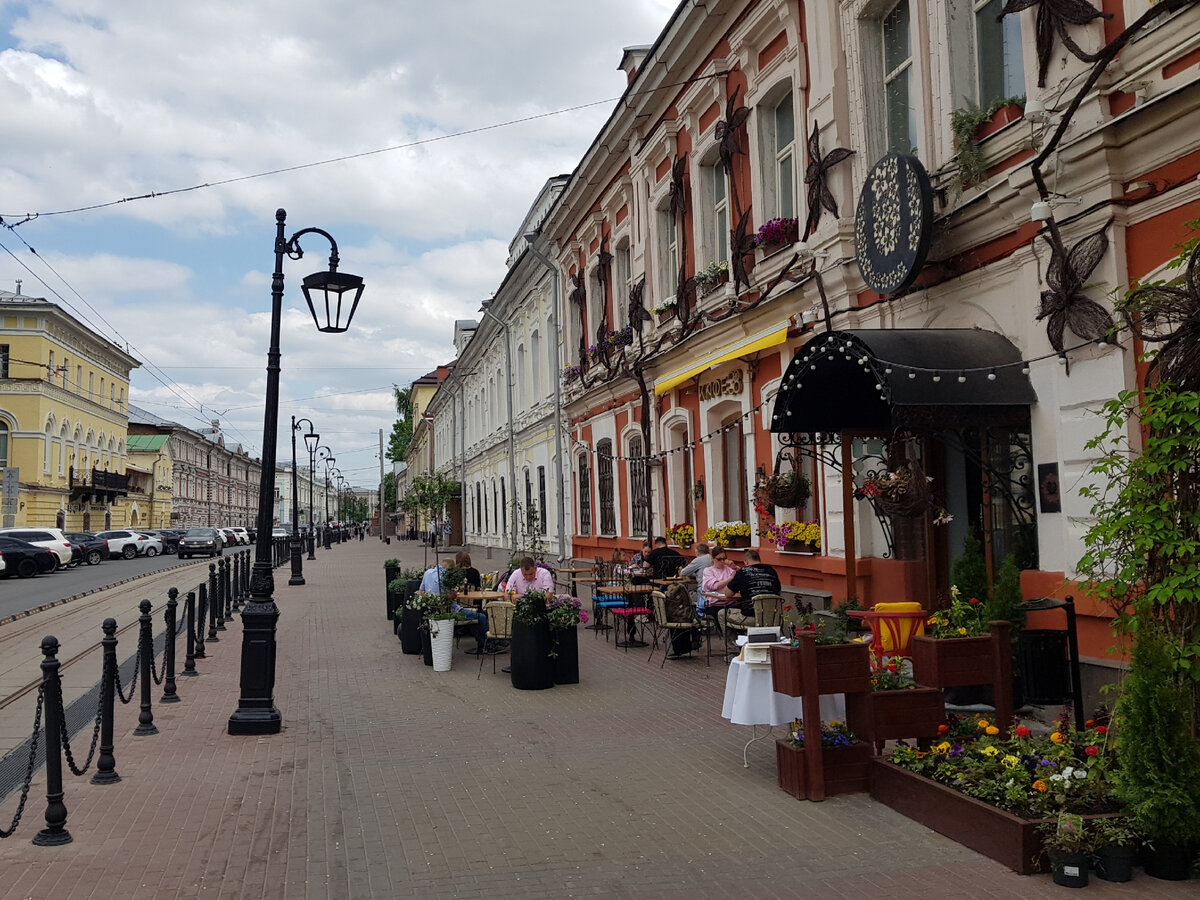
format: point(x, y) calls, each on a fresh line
point(441, 633)
point(840, 668)
point(800, 547)
point(847, 770)
point(410, 632)
point(665, 317)
point(735, 542)
point(1069, 869)
point(1005, 115)
point(426, 647)
point(565, 663)
point(529, 657)
point(952, 662)
point(1169, 862)
point(895, 715)
point(1115, 863)
point(393, 601)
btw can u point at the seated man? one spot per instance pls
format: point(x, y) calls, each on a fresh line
point(664, 562)
point(753, 578)
point(431, 582)
point(531, 577)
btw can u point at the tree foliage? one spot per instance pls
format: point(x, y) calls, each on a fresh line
point(402, 428)
point(427, 495)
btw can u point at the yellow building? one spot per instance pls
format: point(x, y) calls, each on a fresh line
point(63, 420)
point(150, 470)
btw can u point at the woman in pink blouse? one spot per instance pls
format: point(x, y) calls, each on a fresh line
point(714, 581)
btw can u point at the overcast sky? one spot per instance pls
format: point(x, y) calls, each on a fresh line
point(104, 100)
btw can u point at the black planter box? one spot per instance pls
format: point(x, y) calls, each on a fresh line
point(410, 631)
point(566, 663)
point(529, 657)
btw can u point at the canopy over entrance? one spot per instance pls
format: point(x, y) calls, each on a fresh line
point(884, 379)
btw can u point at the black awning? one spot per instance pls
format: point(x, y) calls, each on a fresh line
point(882, 379)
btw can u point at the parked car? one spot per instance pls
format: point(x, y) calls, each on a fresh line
point(203, 541)
point(51, 538)
point(123, 543)
point(24, 559)
point(168, 536)
point(253, 532)
point(228, 537)
point(280, 532)
point(94, 549)
point(149, 544)
point(243, 536)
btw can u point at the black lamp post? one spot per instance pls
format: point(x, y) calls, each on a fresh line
point(340, 481)
point(310, 440)
point(331, 472)
point(334, 292)
point(295, 545)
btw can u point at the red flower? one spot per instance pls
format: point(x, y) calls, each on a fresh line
point(974, 601)
point(893, 668)
point(1101, 730)
point(1089, 723)
point(1090, 751)
point(1021, 731)
point(788, 608)
point(943, 729)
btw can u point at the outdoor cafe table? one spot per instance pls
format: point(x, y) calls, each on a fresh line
point(750, 699)
point(582, 570)
point(630, 591)
point(481, 597)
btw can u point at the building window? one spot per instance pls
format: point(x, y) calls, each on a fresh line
point(733, 486)
point(669, 252)
point(714, 214)
point(542, 498)
point(899, 114)
point(528, 495)
point(503, 514)
point(777, 139)
point(622, 284)
point(50, 368)
point(495, 504)
point(638, 496)
point(79, 379)
point(585, 496)
point(3, 444)
point(604, 478)
point(1001, 71)
point(3, 360)
point(65, 370)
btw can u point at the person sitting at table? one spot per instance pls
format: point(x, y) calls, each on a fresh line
point(530, 578)
point(664, 561)
point(639, 566)
point(431, 582)
point(474, 579)
point(713, 583)
point(695, 569)
point(753, 578)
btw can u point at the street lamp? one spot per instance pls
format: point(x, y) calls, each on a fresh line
point(334, 291)
point(294, 545)
point(310, 441)
point(340, 481)
point(331, 473)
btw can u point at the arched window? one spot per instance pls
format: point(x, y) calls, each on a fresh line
point(585, 496)
point(638, 495)
point(604, 478)
point(3, 444)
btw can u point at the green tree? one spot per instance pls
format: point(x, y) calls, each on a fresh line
point(427, 496)
point(970, 570)
point(402, 428)
point(389, 490)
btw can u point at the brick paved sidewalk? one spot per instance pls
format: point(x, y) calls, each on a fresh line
point(391, 780)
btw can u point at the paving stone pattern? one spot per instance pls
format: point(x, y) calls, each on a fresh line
point(393, 781)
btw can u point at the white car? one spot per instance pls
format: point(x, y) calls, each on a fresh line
point(125, 543)
point(243, 536)
point(51, 538)
point(149, 544)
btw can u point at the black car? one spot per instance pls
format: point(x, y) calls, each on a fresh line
point(94, 549)
point(205, 541)
point(23, 559)
point(169, 537)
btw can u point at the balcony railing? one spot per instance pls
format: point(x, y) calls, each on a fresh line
point(97, 483)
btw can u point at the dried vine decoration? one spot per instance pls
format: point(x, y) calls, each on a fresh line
point(1065, 305)
point(1169, 316)
point(638, 316)
point(604, 263)
point(678, 194)
point(728, 134)
point(741, 245)
point(1053, 17)
point(819, 195)
point(684, 293)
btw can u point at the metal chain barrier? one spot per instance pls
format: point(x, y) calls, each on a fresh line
point(133, 681)
point(66, 739)
point(33, 746)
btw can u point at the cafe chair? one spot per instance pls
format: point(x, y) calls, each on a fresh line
point(662, 625)
point(893, 626)
point(768, 612)
point(602, 603)
point(500, 621)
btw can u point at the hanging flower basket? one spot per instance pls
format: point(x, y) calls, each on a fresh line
point(903, 492)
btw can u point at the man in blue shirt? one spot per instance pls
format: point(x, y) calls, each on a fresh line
point(431, 582)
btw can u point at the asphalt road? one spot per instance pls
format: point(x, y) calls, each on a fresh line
point(20, 594)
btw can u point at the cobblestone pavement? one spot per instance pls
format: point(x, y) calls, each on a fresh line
point(390, 780)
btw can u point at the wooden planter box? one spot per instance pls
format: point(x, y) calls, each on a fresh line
point(952, 662)
point(896, 715)
point(841, 668)
point(847, 770)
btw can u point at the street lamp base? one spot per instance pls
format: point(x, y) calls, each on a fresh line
point(296, 579)
point(256, 721)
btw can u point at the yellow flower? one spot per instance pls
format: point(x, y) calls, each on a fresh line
point(983, 724)
point(992, 729)
point(1010, 761)
point(989, 751)
point(961, 630)
point(1040, 785)
point(1057, 737)
point(943, 747)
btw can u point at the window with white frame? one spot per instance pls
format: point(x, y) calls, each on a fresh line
point(535, 367)
point(899, 113)
point(714, 214)
point(668, 243)
point(999, 64)
point(604, 479)
point(777, 139)
point(622, 283)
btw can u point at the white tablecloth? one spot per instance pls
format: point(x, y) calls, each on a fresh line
point(749, 699)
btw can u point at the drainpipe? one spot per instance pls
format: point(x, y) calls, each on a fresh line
point(512, 455)
point(560, 509)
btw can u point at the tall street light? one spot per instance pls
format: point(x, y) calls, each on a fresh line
point(325, 455)
point(336, 293)
point(331, 474)
point(295, 545)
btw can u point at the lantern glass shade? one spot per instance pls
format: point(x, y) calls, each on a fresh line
point(310, 440)
point(330, 296)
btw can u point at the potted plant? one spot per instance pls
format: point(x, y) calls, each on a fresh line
point(407, 616)
point(665, 311)
point(795, 537)
point(710, 277)
point(819, 646)
point(571, 373)
point(896, 706)
point(728, 534)
point(564, 614)
point(788, 489)
point(777, 233)
point(1117, 841)
point(1069, 844)
point(846, 761)
point(438, 623)
point(530, 661)
point(682, 534)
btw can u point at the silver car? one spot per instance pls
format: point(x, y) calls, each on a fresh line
point(203, 541)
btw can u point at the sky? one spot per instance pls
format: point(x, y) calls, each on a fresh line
point(365, 102)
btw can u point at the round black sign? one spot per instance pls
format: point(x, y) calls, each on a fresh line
point(893, 225)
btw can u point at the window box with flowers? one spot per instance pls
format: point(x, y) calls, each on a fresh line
point(793, 537)
point(530, 660)
point(846, 761)
point(839, 667)
point(682, 534)
point(622, 337)
point(572, 373)
point(896, 707)
point(594, 352)
point(728, 534)
point(775, 234)
point(665, 311)
point(711, 277)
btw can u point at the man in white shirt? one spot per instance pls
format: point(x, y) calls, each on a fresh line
point(531, 577)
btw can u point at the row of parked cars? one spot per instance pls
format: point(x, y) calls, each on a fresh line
point(26, 552)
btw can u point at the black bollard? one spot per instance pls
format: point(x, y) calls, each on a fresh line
point(219, 604)
point(146, 660)
point(213, 603)
point(55, 832)
point(106, 763)
point(227, 588)
point(169, 694)
point(189, 661)
point(201, 613)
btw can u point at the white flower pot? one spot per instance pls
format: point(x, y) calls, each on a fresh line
point(441, 636)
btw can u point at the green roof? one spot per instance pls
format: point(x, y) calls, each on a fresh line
point(146, 441)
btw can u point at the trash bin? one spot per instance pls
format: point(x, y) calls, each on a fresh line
point(1043, 663)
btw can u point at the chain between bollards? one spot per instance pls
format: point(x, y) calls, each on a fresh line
point(146, 659)
point(169, 692)
point(55, 833)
